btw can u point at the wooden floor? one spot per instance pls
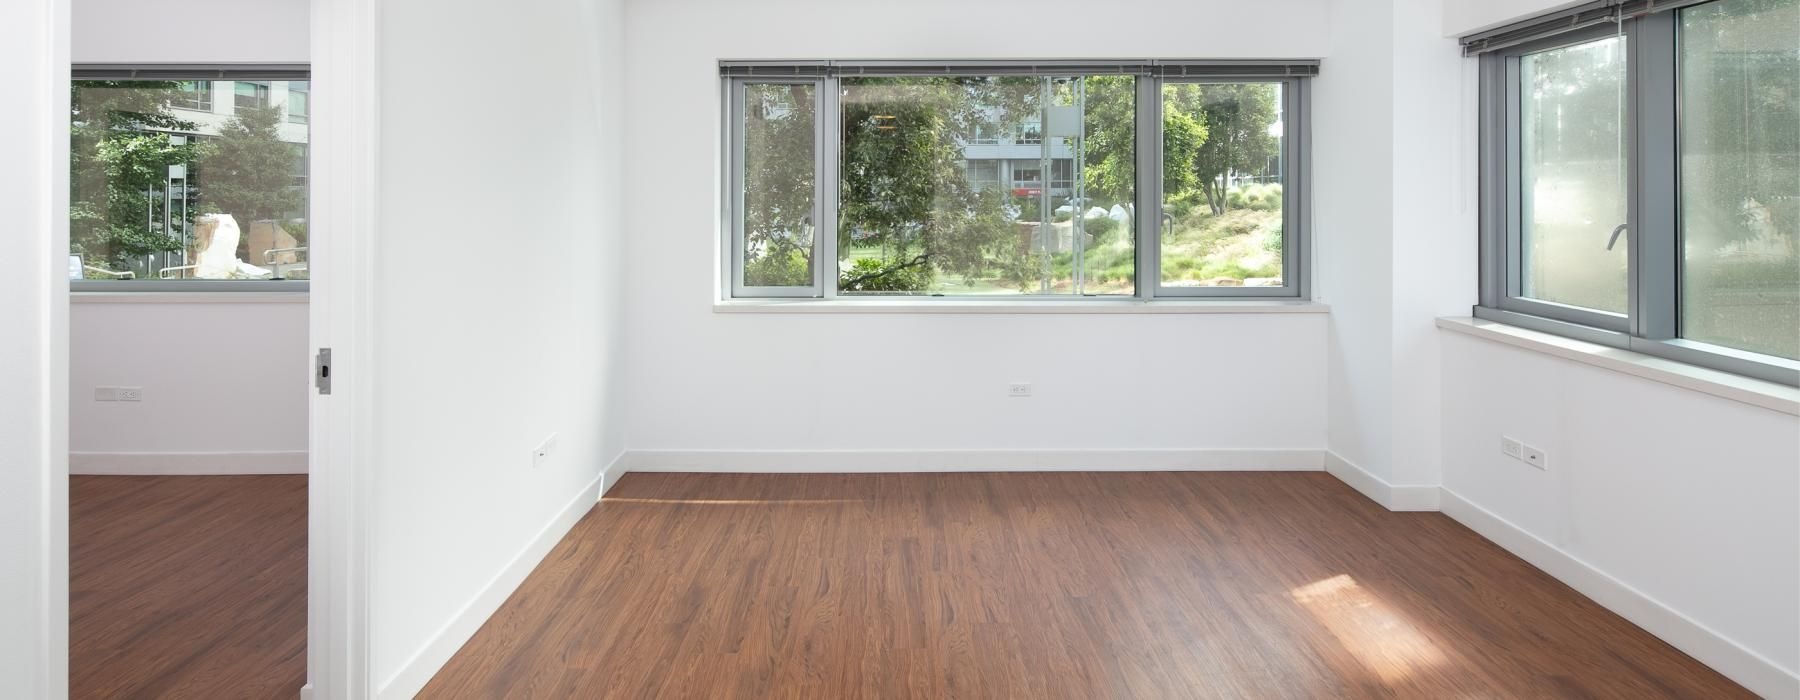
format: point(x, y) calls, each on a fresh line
point(187, 586)
point(1063, 585)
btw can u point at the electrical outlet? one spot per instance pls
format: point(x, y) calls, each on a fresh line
point(1511, 447)
point(543, 450)
point(1536, 457)
point(106, 393)
point(131, 393)
point(1018, 390)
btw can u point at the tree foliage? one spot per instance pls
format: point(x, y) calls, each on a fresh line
point(1237, 117)
point(907, 212)
point(119, 159)
point(249, 171)
point(1111, 134)
point(778, 184)
point(903, 186)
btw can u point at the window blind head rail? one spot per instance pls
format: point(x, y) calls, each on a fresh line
point(1572, 19)
point(1236, 69)
point(98, 71)
point(1161, 68)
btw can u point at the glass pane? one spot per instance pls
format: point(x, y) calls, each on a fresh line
point(987, 185)
point(1740, 175)
point(778, 185)
point(1222, 185)
point(159, 191)
point(1572, 166)
point(298, 102)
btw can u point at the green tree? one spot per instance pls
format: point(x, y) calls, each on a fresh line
point(1109, 146)
point(778, 185)
point(1237, 117)
point(121, 148)
point(249, 172)
point(903, 185)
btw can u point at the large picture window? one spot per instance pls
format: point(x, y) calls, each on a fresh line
point(1641, 180)
point(1002, 180)
point(172, 189)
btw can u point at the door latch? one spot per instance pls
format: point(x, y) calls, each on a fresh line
point(322, 370)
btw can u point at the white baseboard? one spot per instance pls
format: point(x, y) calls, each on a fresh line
point(1758, 674)
point(186, 463)
point(1391, 497)
point(610, 475)
point(418, 670)
point(874, 461)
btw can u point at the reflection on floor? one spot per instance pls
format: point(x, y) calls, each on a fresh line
point(187, 586)
point(1045, 585)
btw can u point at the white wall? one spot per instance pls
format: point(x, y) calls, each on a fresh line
point(702, 380)
point(231, 378)
point(220, 376)
point(1352, 212)
point(1686, 497)
point(34, 494)
point(506, 329)
point(1689, 503)
point(190, 31)
point(1462, 17)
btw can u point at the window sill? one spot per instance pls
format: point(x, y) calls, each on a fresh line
point(1021, 306)
point(221, 297)
point(1769, 395)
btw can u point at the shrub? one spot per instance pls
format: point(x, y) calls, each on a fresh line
point(789, 269)
point(1101, 228)
point(913, 279)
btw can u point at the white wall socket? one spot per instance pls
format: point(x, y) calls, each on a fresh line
point(118, 393)
point(1018, 389)
point(1511, 447)
point(1536, 457)
point(543, 450)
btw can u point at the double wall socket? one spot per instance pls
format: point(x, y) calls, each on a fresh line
point(1515, 449)
point(118, 393)
point(1018, 390)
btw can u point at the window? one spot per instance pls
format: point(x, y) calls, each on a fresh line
point(1224, 209)
point(1641, 180)
point(903, 161)
point(779, 193)
point(1572, 174)
point(196, 95)
point(1739, 169)
point(250, 94)
point(984, 174)
point(163, 198)
point(298, 101)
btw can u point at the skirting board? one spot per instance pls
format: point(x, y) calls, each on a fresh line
point(1758, 674)
point(1391, 497)
point(877, 461)
point(186, 463)
point(418, 670)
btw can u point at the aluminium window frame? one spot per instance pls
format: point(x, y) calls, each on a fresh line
point(1651, 325)
point(1296, 217)
point(205, 72)
point(1150, 77)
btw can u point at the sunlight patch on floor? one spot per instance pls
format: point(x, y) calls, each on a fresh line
point(1376, 635)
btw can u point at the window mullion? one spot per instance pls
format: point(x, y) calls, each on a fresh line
point(1654, 238)
point(1147, 219)
point(825, 180)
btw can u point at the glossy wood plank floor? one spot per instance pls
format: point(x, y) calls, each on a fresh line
point(1056, 585)
point(187, 586)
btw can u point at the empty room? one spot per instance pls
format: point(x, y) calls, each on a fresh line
point(855, 349)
